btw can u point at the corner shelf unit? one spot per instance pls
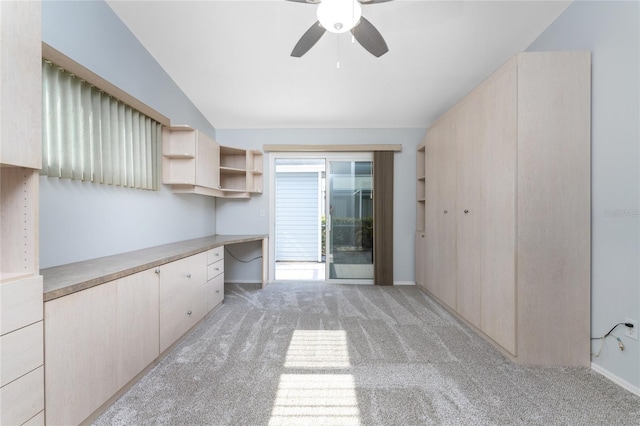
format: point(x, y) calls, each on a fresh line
point(195, 163)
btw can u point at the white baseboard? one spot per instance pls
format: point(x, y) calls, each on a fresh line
point(243, 281)
point(404, 283)
point(615, 379)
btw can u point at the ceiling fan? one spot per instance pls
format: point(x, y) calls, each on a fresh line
point(339, 16)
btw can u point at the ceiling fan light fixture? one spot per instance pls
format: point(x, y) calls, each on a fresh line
point(339, 16)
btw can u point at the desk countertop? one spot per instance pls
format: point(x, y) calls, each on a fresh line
point(67, 279)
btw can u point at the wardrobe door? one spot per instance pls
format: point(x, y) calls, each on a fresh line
point(431, 228)
point(445, 212)
point(470, 128)
point(497, 209)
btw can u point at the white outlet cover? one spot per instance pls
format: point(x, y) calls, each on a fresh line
point(631, 333)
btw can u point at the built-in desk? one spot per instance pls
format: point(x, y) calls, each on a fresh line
point(67, 279)
point(107, 320)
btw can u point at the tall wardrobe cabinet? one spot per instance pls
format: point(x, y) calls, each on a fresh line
point(507, 208)
point(21, 319)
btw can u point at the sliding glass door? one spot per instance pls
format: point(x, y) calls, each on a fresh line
point(349, 220)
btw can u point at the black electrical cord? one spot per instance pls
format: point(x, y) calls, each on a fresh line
point(620, 344)
point(627, 324)
point(240, 260)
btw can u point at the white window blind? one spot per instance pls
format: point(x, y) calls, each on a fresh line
point(91, 136)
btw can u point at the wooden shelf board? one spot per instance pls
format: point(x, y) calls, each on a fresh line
point(179, 156)
point(227, 150)
point(180, 128)
point(232, 170)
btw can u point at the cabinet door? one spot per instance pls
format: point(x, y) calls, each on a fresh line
point(498, 207)
point(445, 175)
point(181, 277)
point(421, 255)
point(432, 254)
point(80, 353)
point(21, 82)
point(207, 162)
point(470, 121)
point(137, 324)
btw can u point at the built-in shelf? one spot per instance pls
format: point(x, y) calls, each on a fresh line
point(195, 163)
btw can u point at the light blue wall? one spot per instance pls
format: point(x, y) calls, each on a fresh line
point(611, 31)
point(80, 220)
point(238, 217)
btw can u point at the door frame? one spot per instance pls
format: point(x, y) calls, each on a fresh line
point(327, 156)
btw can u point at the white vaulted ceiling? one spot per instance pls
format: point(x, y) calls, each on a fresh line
point(232, 59)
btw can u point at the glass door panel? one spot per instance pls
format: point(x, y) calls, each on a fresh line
point(350, 220)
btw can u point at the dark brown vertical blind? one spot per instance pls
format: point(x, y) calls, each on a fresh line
point(383, 217)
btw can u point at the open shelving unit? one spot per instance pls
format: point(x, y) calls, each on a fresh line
point(195, 163)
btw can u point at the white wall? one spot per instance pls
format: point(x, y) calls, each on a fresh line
point(241, 217)
point(611, 31)
point(81, 220)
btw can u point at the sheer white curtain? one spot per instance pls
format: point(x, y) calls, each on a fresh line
point(89, 135)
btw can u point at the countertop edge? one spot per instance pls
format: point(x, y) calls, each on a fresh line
point(59, 281)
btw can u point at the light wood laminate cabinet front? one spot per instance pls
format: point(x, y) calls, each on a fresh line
point(190, 158)
point(181, 297)
point(96, 341)
point(138, 335)
point(21, 342)
point(21, 84)
point(80, 353)
point(520, 235)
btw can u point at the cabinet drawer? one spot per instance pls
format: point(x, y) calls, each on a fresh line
point(181, 277)
point(215, 255)
point(23, 398)
point(20, 304)
point(215, 269)
point(217, 292)
point(21, 352)
point(177, 318)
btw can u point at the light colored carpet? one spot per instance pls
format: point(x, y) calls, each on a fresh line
point(316, 354)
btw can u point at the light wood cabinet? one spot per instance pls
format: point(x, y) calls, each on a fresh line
point(21, 352)
point(99, 339)
point(21, 342)
point(21, 84)
point(195, 163)
point(137, 324)
point(22, 399)
point(96, 341)
point(80, 353)
point(215, 276)
point(440, 224)
point(420, 241)
point(189, 289)
point(512, 162)
point(190, 158)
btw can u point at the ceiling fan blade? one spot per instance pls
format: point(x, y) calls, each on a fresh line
point(370, 38)
point(308, 40)
point(363, 2)
point(315, 1)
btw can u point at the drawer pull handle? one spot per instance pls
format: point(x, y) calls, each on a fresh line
point(189, 313)
point(157, 271)
point(217, 254)
point(446, 211)
point(466, 211)
point(216, 269)
point(188, 275)
point(217, 291)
